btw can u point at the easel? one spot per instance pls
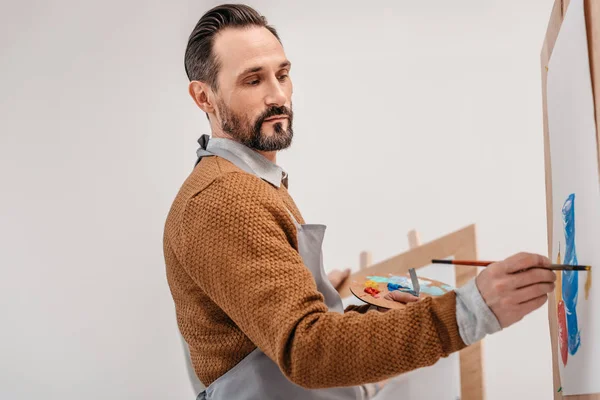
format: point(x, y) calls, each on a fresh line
point(460, 244)
point(592, 19)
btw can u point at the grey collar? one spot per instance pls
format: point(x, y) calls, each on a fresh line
point(258, 164)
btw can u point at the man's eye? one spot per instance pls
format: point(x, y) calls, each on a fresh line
point(283, 77)
point(254, 82)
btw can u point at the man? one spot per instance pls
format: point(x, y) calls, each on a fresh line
point(253, 303)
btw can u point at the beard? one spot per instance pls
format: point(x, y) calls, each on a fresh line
point(250, 133)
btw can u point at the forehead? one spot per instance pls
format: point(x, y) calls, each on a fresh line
point(240, 48)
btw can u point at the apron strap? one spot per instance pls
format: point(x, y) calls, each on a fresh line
point(293, 218)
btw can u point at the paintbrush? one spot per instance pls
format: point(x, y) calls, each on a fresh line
point(554, 267)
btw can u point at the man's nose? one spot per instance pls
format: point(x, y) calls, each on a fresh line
point(276, 95)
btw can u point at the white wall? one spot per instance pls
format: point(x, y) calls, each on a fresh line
point(408, 114)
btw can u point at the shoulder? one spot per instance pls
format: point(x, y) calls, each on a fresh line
point(219, 197)
point(215, 175)
point(224, 182)
point(237, 195)
point(239, 211)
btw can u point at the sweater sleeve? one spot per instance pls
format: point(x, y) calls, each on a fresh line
point(239, 245)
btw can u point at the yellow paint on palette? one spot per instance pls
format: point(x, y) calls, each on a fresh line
point(372, 284)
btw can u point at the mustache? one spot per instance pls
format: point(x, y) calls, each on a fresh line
point(272, 112)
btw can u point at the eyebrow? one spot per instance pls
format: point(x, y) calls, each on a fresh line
point(258, 69)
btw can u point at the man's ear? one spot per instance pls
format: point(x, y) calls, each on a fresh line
point(202, 95)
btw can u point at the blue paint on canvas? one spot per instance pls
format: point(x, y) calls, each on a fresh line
point(570, 279)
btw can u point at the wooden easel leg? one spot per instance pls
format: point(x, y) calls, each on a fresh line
point(470, 359)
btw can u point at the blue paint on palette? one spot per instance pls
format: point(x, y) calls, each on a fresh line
point(395, 286)
point(570, 279)
point(433, 290)
point(378, 279)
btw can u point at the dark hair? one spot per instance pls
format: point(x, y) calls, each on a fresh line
point(200, 62)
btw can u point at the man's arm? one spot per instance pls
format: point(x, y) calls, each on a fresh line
point(239, 245)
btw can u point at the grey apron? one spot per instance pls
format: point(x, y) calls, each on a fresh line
point(257, 376)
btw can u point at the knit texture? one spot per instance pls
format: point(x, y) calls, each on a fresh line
point(238, 282)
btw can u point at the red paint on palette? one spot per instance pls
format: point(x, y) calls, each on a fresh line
point(372, 291)
point(562, 332)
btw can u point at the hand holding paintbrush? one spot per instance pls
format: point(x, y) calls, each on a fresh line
point(516, 286)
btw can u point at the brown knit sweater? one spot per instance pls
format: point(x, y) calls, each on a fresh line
point(238, 282)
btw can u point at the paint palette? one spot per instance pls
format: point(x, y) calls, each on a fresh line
point(373, 289)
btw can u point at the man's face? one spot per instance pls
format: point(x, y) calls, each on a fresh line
point(254, 97)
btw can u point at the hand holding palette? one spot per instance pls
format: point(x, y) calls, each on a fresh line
point(373, 289)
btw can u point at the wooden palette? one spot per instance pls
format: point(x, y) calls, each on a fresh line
point(429, 288)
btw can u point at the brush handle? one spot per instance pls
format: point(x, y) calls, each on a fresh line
point(563, 267)
point(464, 262)
point(554, 267)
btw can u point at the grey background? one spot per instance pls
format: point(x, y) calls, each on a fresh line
point(408, 114)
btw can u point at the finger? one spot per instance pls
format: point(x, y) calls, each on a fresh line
point(401, 297)
point(333, 274)
point(533, 276)
point(337, 277)
point(523, 261)
point(345, 276)
point(531, 292)
point(533, 304)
